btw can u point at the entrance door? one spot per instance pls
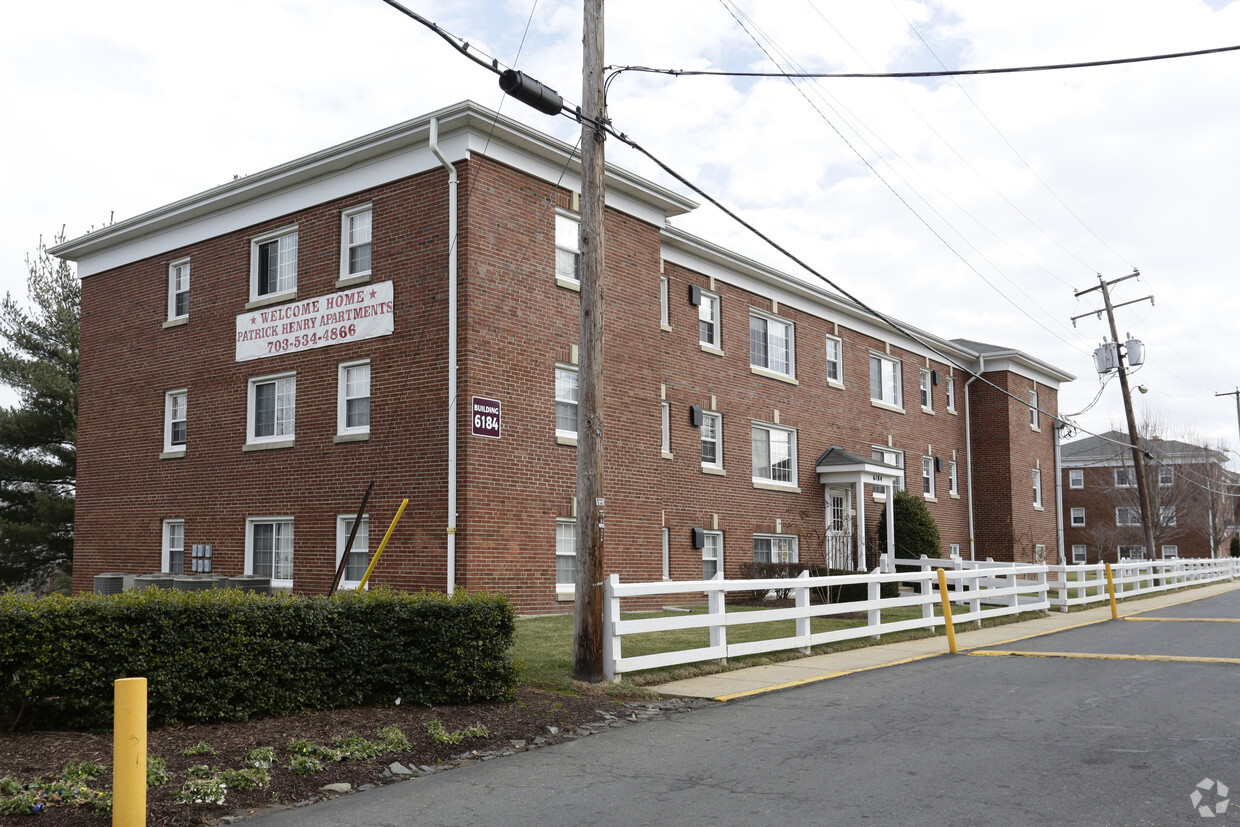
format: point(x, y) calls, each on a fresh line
point(839, 529)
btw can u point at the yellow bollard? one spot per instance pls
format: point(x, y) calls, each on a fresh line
point(947, 612)
point(129, 753)
point(1111, 591)
point(383, 544)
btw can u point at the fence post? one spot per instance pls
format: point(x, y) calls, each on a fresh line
point(129, 753)
point(717, 609)
point(874, 592)
point(611, 640)
point(803, 623)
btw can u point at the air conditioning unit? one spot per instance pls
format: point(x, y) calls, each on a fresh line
point(251, 583)
point(190, 583)
point(162, 580)
point(113, 582)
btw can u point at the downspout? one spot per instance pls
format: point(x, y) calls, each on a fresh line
point(452, 388)
point(1063, 558)
point(968, 447)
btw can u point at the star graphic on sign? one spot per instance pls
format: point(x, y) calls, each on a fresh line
point(374, 293)
point(253, 320)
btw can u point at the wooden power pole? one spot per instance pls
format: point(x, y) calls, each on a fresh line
point(588, 624)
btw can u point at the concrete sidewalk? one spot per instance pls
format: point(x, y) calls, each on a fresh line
point(756, 680)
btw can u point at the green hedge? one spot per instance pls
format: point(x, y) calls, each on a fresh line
point(226, 655)
point(848, 592)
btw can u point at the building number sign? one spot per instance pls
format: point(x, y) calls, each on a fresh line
point(486, 414)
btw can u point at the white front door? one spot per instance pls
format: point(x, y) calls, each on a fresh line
point(839, 529)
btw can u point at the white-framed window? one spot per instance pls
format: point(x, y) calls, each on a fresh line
point(1039, 554)
point(173, 554)
point(1127, 515)
point(272, 409)
point(953, 483)
point(566, 402)
point(353, 398)
point(1124, 478)
point(665, 427)
point(1166, 476)
point(1166, 515)
point(891, 457)
point(565, 556)
point(667, 553)
point(885, 381)
point(355, 227)
point(1033, 409)
point(927, 477)
point(1078, 517)
point(1078, 555)
point(567, 249)
point(664, 305)
point(273, 263)
point(775, 548)
point(712, 440)
point(949, 390)
point(176, 420)
point(1131, 552)
point(178, 289)
point(1170, 552)
point(712, 554)
point(708, 320)
point(359, 552)
point(771, 344)
point(774, 454)
point(1076, 478)
point(927, 395)
point(953, 550)
point(269, 549)
point(835, 360)
point(1037, 487)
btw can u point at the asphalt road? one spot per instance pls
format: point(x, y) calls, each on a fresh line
point(954, 740)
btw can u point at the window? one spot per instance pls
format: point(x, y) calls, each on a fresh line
point(173, 556)
point(565, 556)
point(1037, 487)
point(269, 549)
point(178, 289)
point(567, 249)
point(665, 426)
point(359, 552)
point(566, 403)
point(1033, 409)
point(712, 554)
point(1076, 478)
point(1166, 515)
point(770, 344)
point(1166, 476)
point(885, 381)
point(273, 264)
point(667, 556)
point(774, 548)
point(890, 457)
point(952, 483)
point(927, 477)
point(1170, 552)
point(272, 408)
point(175, 421)
point(835, 360)
point(664, 317)
point(353, 399)
point(1078, 555)
point(708, 320)
point(712, 440)
point(1132, 552)
point(1078, 517)
point(774, 455)
point(927, 398)
point(953, 550)
point(355, 242)
point(1127, 515)
point(1124, 478)
point(950, 391)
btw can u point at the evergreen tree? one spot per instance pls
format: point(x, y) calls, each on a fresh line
point(916, 531)
point(38, 454)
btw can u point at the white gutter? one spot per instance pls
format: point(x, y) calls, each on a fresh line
point(452, 388)
point(1063, 558)
point(968, 448)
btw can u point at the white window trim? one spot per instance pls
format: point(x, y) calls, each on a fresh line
point(171, 450)
point(715, 344)
point(1129, 510)
point(342, 400)
point(949, 390)
point(362, 276)
point(250, 522)
point(1084, 554)
point(880, 495)
point(794, 554)
point(953, 479)
point(953, 550)
point(1135, 552)
point(275, 440)
point(270, 298)
point(706, 543)
point(565, 281)
point(1037, 488)
point(789, 375)
point(1167, 516)
point(715, 467)
point(342, 537)
point(665, 429)
point(927, 478)
point(165, 559)
point(1168, 473)
point(563, 437)
point(667, 556)
point(564, 591)
point(926, 388)
point(898, 376)
point(665, 319)
point(1128, 475)
point(1074, 514)
point(1033, 410)
point(1076, 478)
point(838, 362)
point(173, 316)
point(763, 482)
point(1173, 548)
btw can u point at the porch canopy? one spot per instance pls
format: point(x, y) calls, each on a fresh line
point(837, 468)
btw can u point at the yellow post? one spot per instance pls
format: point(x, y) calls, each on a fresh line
point(386, 537)
point(947, 612)
point(129, 753)
point(1111, 591)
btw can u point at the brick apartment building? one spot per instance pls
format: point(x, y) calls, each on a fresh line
point(1192, 499)
point(253, 356)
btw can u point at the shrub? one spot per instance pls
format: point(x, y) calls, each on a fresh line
point(1234, 547)
point(765, 571)
point(847, 592)
point(916, 532)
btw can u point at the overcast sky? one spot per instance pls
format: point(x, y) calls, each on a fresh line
point(970, 207)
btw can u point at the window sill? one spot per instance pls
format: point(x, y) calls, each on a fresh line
point(926, 410)
point(180, 321)
point(953, 412)
point(1035, 429)
point(831, 383)
point(665, 326)
point(1038, 508)
point(877, 403)
point(666, 454)
point(770, 374)
point(564, 596)
point(776, 486)
point(267, 446)
point(352, 281)
point(930, 498)
point(274, 298)
point(565, 440)
point(713, 470)
point(954, 496)
point(341, 438)
point(711, 349)
point(568, 284)
point(175, 453)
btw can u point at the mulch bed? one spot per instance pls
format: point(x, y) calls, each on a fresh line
point(28, 756)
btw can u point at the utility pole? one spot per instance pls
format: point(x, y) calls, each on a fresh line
point(1235, 393)
point(588, 623)
point(1138, 455)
